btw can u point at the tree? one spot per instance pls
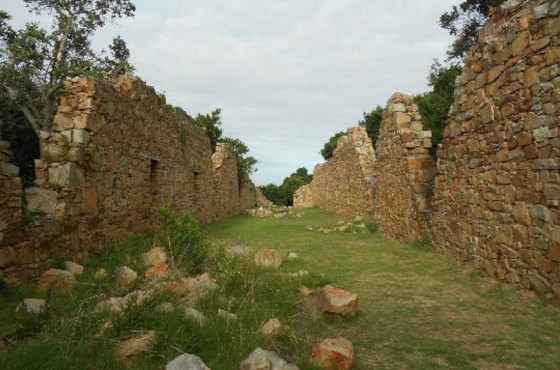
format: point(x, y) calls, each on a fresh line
point(245, 164)
point(463, 23)
point(372, 122)
point(284, 194)
point(434, 105)
point(34, 62)
point(329, 147)
point(212, 124)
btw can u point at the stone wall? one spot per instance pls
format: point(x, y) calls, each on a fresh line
point(303, 197)
point(404, 171)
point(497, 190)
point(118, 154)
point(344, 184)
point(10, 201)
point(262, 201)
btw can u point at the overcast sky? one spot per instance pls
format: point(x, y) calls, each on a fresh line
point(288, 74)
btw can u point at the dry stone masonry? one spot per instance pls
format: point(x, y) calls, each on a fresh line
point(404, 171)
point(497, 191)
point(495, 197)
point(117, 155)
point(344, 183)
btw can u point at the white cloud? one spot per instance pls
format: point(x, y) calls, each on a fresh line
point(287, 73)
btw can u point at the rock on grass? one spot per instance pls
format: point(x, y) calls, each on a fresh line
point(334, 354)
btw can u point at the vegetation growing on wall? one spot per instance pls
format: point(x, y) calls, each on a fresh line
point(434, 105)
point(34, 61)
point(212, 124)
point(330, 146)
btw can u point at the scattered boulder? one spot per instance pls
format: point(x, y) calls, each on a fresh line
point(58, 280)
point(305, 291)
point(310, 228)
point(186, 362)
point(155, 256)
point(272, 327)
point(358, 218)
point(33, 306)
point(100, 274)
point(343, 228)
point(125, 276)
point(341, 223)
point(268, 258)
point(195, 315)
point(113, 304)
point(226, 315)
point(74, 267)
point(292, 256)
point(334, 354)
point(137, 345)
point(333, 300)
point(157, 272)
point(327, 231)
point(165, 307)
point(265, 360)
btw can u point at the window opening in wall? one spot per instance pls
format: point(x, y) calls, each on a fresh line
point(155, 180)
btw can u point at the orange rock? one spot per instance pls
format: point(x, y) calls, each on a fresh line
point(305, 291)
point(268, 258)
point(333, 300)
point(157, 272)
point(58, 280)
point(334, 354)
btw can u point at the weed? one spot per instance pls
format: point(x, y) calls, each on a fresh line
point(423, 243)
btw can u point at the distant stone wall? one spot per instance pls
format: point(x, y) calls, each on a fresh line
point(117, 155)
point(10, 201)
point(303, 197)
point(261, 199)
point(404, 171)
point(497, 189)
point(343, 184)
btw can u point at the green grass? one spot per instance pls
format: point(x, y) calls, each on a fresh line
point(69, 335)
point(418, 310)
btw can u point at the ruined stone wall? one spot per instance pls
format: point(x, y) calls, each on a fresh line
point(497, 189)
point(404, 171)
point(343, 184)
point(118, 153)
point(262, 201)
point(10, 201)
point(303, 197)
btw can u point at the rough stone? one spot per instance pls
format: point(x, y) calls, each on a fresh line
point(186, 362)
point(136, 345)
point(334, 354)
point(33, 305)
point(125, 276)
point(74, 268)
point(268, 258)
point(338, 301)
point(261, 359)
point(57, 280)
point(154, 257)
point(157, 272)
point(272, 327)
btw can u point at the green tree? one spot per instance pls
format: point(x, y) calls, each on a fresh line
point(212, 124)
point(463, 23)
point(245, 164)
point(372, 122)
point(434, 105)
point(283, 195)
point(330, 146)
point(34, 61)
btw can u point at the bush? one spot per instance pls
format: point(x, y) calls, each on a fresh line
point(183, 240)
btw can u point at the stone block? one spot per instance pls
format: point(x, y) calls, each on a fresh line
point(67, 175)
point(80, 136)
point(41, 200)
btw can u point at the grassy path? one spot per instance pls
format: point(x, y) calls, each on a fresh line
point(418, 310)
